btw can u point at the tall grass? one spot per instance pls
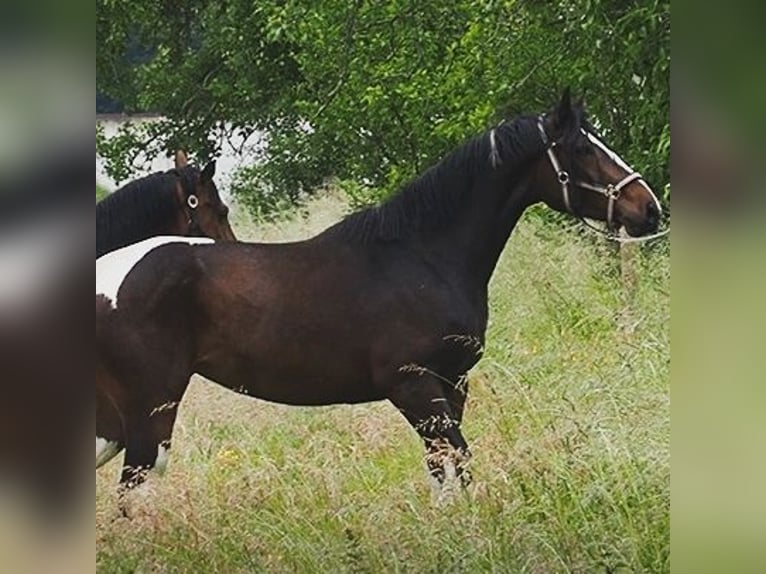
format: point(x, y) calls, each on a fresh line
point(568, 419)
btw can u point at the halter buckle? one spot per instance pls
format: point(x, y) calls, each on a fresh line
point(563, 177)
point(192, 201)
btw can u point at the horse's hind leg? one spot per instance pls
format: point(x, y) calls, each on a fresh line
point(149, 416)
point(424, 403)
point(148, 430)
point(162, 418)
point(149, 427)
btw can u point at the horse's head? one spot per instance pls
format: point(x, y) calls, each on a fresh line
point(206, 214)
point(581, 175)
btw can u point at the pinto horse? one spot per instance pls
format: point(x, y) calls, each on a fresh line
point(182, 201)
point(388, 304)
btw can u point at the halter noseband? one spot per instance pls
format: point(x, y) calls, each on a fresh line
point(611, 191)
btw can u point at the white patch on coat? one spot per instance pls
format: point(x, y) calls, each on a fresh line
point(113, 267)
point(106, 450)
point(622, 163)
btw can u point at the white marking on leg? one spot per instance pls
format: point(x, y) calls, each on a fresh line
point(161, 463)
point(450, 471)
point(444, 492)
point(138, 500)
point(113, 267)
point(622, 163)
point(436, 486)
point(451, 484)
point(106, 450)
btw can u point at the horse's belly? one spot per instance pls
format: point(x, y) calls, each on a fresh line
point(296, 387)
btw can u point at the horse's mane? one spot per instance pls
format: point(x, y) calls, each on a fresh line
point(141, 208)
point(433, 200)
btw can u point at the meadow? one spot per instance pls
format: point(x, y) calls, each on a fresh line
point(568, 418)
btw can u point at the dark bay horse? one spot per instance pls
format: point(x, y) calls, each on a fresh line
point(390, 303)
point(182, 201)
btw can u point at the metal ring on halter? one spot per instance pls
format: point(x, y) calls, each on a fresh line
point(192, 201)
point(563, 177)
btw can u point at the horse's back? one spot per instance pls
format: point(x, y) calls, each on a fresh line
point(113, 268)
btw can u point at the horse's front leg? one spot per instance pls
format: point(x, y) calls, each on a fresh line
point(456, 396)
point(423, 400)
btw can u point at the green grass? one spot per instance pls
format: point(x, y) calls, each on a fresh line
point(568, 418)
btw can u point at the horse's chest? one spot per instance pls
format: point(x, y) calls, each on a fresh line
point(445, 336)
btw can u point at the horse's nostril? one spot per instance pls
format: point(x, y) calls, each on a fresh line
point(652, 212)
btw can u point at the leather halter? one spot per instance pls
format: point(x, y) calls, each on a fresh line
point(611, 191)
point(194, 228)
point(192, 202)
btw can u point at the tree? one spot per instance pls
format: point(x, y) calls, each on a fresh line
point(372, 93)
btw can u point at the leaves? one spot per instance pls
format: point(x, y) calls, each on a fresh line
point(376, 92)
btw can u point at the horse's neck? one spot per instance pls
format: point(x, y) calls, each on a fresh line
point(475, 243)
point(506, 222)
point(113, 235)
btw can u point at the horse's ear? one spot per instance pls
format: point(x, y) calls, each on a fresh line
point(565, 114)
point(208, 172)
point(181, 159)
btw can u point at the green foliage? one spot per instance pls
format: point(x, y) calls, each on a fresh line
point(101, 192)
point(267, 203)
point(376, 92)
point(359, 195)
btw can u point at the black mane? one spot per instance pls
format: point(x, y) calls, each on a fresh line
point(434, 199)
point(141, 209)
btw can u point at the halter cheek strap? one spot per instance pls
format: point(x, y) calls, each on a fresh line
point(561, 174)
point(193, 203)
